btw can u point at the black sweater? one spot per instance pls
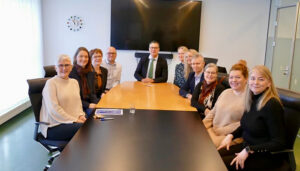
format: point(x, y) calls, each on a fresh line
point(196, 94)
point(263, 130)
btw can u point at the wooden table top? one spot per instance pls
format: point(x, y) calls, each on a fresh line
point(157, 96)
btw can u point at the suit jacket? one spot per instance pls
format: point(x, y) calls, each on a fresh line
point(189, 85)
point(91, 98)
point(161, 71)
point(104, 82)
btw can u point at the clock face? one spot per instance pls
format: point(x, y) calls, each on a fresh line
point(74, 23)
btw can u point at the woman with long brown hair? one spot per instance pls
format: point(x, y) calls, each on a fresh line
point(82, 72)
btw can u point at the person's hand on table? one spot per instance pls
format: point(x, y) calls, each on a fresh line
point(81, 119)
point(147, 80)
point(189, 96)
point(92, 105)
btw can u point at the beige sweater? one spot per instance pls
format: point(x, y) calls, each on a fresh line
point(225, 117)
point(61, 103)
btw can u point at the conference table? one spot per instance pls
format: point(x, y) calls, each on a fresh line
point(153, 138)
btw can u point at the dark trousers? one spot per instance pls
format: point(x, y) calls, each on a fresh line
point(257, 161)
point(63, 132)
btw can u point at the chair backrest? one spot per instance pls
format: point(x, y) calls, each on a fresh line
point(49, 71)
point(35, 90)
point(291, 105)
point(208, 60)
point(222, 69)
point(224, 78)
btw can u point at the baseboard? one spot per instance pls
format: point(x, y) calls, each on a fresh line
point(23, 105)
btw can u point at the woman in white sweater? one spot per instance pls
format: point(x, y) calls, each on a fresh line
point(61, 104)
point(225, 117)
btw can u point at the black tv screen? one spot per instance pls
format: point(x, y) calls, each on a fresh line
point(173, 23)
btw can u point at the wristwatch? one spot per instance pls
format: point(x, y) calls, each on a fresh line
point(247, 149)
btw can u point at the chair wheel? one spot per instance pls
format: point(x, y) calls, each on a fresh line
point(46, 167)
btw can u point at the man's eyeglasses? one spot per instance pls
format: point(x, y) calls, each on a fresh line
point(154, 47)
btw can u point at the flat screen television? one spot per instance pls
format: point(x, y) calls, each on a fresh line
point(173, 23)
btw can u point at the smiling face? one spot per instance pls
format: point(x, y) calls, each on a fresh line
point(181, 55)
point(188, 57)
point(111, 55)
point(197, 65)
point(154, 49)
point(237, 81)
point(97, 59)
point(63, 68)
point(258, 83)
point(210, 75)
point(82, 58)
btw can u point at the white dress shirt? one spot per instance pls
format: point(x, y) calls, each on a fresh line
point(113, 74)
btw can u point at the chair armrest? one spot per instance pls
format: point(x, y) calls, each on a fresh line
point(283, 151)
point(42, 123)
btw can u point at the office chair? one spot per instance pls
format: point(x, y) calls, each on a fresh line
point(291, 106)
point(35, 95)
point(222, 70)
point(208, 60)
point(49, 71)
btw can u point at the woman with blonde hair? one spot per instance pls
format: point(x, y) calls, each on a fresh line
point(179, 79)
point(188, 62)
point(225, 117)
point(262, 127)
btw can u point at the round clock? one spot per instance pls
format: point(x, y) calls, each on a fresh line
point(74, 23)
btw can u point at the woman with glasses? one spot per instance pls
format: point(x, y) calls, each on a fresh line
point(100, 72)
point(61, 104)
point(82, 72)
point(207, 92)
point(225, 117)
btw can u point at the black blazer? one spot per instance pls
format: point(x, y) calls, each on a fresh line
point(104, 81)
point(189, 85)
point(91, 98)
point(197, 91)
point(161, 71)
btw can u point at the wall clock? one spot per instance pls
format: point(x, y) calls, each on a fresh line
point(74, 23)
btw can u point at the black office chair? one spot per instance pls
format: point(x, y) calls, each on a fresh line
point(35, 95)
point(49, 71)
point(222, 70)
point(291, 105)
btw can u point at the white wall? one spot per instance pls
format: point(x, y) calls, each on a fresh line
point(230, 30)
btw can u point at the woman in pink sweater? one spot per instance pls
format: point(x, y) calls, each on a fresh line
point(225, 117)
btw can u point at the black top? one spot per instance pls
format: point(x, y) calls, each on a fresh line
point(263, 130)
point(189, 85)
point(196, 94)
point(91, 98)
point(103, 75)
point(161, 70)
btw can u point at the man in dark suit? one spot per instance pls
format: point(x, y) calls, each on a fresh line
point(194, 77)
point(152, 69)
